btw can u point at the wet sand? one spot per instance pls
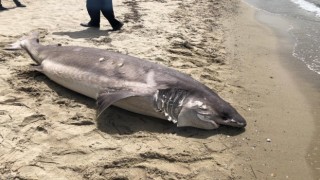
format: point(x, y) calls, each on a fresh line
point(47, 131)
point(294, 27)
point(282, 115)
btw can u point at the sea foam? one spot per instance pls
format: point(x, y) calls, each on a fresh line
point(308, 6)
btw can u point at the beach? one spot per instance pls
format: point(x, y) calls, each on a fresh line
point(50, 132)
point(279, 101)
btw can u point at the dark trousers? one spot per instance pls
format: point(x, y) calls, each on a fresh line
point(105, 6)
point(15, 1)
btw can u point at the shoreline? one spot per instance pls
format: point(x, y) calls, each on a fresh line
point(275, 104)
point(306, 80)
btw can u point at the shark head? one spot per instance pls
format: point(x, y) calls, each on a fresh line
point(208, 111)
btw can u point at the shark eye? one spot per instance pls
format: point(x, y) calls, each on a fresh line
point(225, 116)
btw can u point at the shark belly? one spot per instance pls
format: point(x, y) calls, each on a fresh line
point(90, 84)
point(72, 78)
point(81, 87)
point(137, 104)
point(140, 105)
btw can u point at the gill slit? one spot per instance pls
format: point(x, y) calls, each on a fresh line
point(169, 102)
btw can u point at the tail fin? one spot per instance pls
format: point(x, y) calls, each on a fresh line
point(20, 43)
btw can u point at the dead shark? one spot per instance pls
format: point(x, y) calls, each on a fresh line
point(131, 83)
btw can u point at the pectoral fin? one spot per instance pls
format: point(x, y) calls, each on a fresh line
point(107, 98)
point(38, 68)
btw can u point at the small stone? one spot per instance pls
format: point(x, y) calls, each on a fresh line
point(101, 59)
point(120, 64)
point(222, 51)
point(268, 140)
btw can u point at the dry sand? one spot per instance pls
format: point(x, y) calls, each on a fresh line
point(49, 132)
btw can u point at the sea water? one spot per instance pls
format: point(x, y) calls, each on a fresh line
point(304, 18)
point(309, 5)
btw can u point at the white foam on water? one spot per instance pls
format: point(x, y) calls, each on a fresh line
point(307, 6)
point(313, 66)
point(311, 62)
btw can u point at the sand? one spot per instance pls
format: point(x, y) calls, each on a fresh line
point(282, 122)
point(49, 132)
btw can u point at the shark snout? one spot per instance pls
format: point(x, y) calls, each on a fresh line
point(239, 122)
point(234, 122)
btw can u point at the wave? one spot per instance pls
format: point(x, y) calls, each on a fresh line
point(308, 6)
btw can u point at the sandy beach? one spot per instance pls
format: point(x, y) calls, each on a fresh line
point(276, 101)
point(50, 132)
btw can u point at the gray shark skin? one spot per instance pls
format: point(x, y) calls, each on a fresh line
point(131, 83)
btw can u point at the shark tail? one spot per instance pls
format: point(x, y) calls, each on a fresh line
point(19, 44)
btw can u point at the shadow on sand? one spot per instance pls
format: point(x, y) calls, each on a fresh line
point(87, 33)
point(7, 8)
point(118, 121)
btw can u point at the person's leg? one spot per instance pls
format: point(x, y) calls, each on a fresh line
point(93, 8)
point(1, 7)
point(18, 4)
point(107, 11)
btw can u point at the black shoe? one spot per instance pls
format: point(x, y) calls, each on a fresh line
point(89, 25)
point(21, 5)
point(118, 27)
point(3, 8)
